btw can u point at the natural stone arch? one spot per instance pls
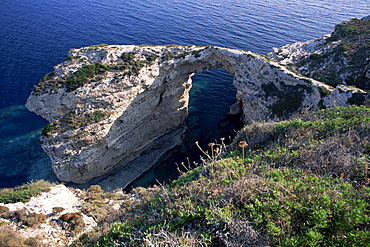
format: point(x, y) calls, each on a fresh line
point(146, 106)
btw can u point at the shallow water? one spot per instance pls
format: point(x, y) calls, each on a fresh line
point(36, 35)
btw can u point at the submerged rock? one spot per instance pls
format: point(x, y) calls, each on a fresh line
point(119, 108)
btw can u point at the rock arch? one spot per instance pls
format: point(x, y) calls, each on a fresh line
point(138, 98)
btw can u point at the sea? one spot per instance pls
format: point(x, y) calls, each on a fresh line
point(37, 35)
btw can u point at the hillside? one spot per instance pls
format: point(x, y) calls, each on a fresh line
point(339, 58)
point(291, 183)
point(298, 182)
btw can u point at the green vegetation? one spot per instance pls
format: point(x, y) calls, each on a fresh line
point(324, 91)
point(69, 58)
point(315, 56)
point(82, 76)
point(51, 128)
point(92, 72)
point(88, 73)
point(299, 182)
point(168, 56)
point(196, 54)
point(48, 76)
point(302, 182)
point(132, 65)
point(23, 193)
point(76, 80)
point(346, 61)
point(73, 121)
point(350, 28)
point(96, 46)
point(289, 98)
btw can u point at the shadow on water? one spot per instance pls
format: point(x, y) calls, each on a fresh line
point(211, 96)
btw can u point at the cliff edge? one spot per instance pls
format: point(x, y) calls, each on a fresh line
point(120, 107)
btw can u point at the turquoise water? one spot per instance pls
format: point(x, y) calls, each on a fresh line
point(211, 96)
point(36, 35)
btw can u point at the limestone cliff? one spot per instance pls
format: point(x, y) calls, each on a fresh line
point(341, 57)
point(121, 107)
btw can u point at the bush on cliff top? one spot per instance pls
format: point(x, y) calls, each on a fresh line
point(23, 193)
point(91, 72)
point(347, 61)
point(81, 76)
point(289, 187)
point(74, 121)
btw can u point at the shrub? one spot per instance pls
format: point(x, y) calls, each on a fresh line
point(99, 45)
point(57, 210)
point(24, 217)
point(70, 58)
point(73, 120)
point(349, 29)
point(9, 238)
point(25, 192)
point(51, 128)
point(274, 195)
point(3, 211)
point(34, 219)
point(315, 56)
point(74, 220)
point(81, 76)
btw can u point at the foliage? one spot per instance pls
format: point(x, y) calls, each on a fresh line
point(69, 58)
point(23, 193)
point(92, 72)
point(350, 28)
point(346, 58)
point(81, 76)
point(96, 46)
point(74, 220)
point(289, 98)
point(10, 238)
point(168, 55)
point(267, 195)
point(51, 128)
point(132, 65)
point(74, 121)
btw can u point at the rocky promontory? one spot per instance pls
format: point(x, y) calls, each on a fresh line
point(120, 107)
point(341, 57)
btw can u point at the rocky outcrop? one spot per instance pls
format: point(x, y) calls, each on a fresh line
point(341, 57)
point(53, 231)
point(116, 108)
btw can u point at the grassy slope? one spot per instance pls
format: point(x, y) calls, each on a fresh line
point(302, 182)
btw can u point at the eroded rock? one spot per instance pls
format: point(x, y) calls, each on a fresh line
point(132, 106)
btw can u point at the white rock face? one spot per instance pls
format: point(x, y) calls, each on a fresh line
point(292, 53)
point(50, 232)
point(147, 107)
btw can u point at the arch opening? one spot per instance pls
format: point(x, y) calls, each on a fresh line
point(211, 96)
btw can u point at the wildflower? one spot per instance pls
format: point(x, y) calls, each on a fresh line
point(243, 144)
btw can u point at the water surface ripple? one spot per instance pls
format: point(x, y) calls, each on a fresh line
point(36, 35)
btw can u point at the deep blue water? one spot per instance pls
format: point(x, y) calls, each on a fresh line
point(36, 35)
